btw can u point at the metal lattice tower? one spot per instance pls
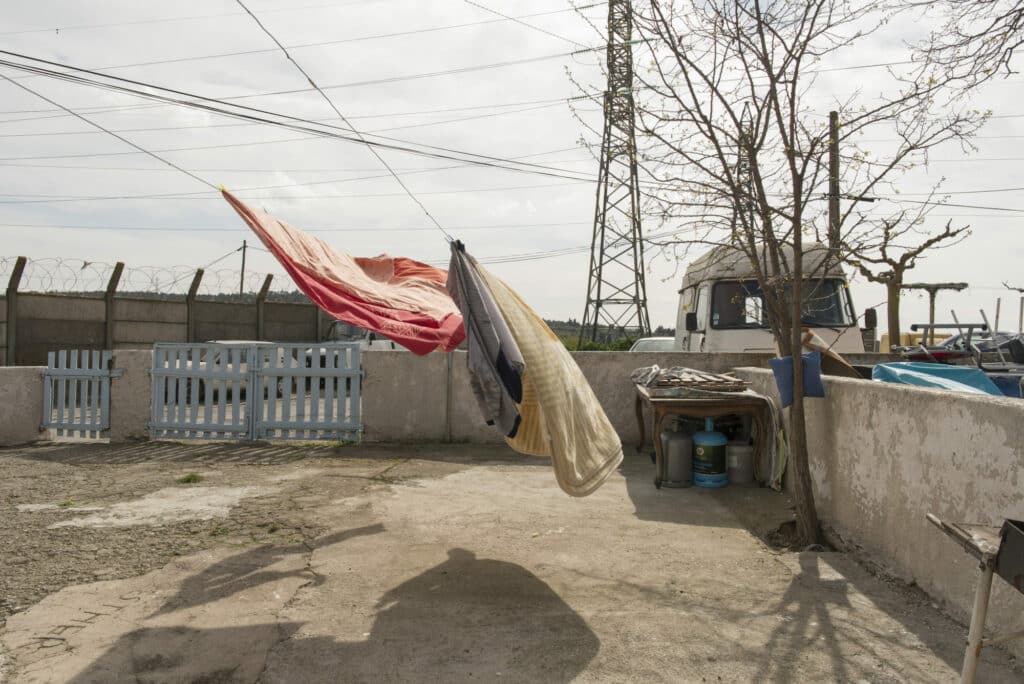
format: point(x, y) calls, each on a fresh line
point(616, 291)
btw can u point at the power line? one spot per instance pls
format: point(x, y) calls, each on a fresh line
point(301, 46)
point(195, 229)
point(122, 139)
point(63, 199)
point(157, 129)
point(281, 120)
point(407, 170)
point(162, 20)
point(958, 206)
point(341, 116)
point(124, 108)
point(519, 21)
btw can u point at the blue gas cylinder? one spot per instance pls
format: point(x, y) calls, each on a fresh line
point(709, 464)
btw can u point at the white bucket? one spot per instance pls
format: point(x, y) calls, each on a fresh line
point(739, 459)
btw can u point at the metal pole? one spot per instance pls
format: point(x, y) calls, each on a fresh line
point(12, 309)
point(108, 305)
point(973, 652)
point(931, 317)
point(241, 279)
point(999, 302)
point(1020, 318)
point(190, 306)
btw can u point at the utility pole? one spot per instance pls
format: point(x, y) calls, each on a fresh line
point(1020, 318)
point(833, 182)
point(932, 289)
point(241, 278)
point(616, 289)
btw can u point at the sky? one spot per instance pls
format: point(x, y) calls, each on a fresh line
point(68, 185)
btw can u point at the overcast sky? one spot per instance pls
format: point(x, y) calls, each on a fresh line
point(508, 111)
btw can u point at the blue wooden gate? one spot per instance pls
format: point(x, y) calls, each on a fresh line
point(249, 391)
point(76, 393)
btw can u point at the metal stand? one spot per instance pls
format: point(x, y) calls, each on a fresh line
point(974, 636)
point(985, 544)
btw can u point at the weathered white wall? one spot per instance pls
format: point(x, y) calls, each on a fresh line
point(406, 397)
point(882, 456)
point(21, 404)
point(130, 395)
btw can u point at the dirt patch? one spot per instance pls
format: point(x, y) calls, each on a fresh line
point(70, 515)
point(168, 506)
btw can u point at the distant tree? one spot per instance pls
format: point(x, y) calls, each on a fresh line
point(884, 255)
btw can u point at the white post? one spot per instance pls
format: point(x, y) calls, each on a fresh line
point(974, 637)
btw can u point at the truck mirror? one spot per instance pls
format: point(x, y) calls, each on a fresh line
point(870, 319)
point(691, 322)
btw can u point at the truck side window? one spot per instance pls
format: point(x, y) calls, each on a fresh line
point(702, 308)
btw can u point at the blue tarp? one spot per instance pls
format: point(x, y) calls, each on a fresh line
point(955, 378)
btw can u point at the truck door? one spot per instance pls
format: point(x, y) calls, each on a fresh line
point(697, 338)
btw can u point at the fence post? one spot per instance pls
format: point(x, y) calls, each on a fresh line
point(12, 309)
point(261, 299)
point(108, 302)
point(190, 303)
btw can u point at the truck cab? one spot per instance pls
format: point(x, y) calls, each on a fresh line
point(722, 308)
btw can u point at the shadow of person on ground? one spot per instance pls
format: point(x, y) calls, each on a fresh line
point(251, 568)
point(465, 619)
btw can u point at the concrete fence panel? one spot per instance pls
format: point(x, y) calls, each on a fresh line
point(140, 322)
point(225, 321)
point(48, 323)
point(290, 322)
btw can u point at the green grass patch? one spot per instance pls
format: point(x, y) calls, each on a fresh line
point(191, 478)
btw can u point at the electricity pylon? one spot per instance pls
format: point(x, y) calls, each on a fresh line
point(616, 291)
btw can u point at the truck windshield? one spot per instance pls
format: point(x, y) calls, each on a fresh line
point(740, 305)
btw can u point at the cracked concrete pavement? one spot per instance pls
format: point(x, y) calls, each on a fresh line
point(443, 563)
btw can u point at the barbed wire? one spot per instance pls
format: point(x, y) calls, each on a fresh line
point(69, 276)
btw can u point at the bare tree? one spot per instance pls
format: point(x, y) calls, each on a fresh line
point(978, 38)
point(735, 145)
point(886, 253)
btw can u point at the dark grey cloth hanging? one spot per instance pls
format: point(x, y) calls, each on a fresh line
point(495, 362)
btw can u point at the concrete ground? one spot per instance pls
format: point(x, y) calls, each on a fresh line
point(220, 563)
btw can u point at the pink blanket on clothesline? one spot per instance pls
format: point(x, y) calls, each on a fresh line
point(401, 298)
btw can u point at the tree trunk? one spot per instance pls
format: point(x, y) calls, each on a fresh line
point(807, 528)
point(892, 307)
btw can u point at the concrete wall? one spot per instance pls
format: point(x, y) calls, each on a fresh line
point(48, 323)
point(882, 456)
point(287, 322)
point(140, 322)
point(3, 330)
point(224, 321)
point(21, 404)
point(406, 397)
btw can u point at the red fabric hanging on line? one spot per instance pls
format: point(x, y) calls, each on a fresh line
point(398, 297)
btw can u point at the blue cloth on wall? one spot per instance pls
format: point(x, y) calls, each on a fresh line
point(783, 370)
point(938, 375)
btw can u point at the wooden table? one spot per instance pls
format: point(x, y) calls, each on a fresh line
point(713, 407)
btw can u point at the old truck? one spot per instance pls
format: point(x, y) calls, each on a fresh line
point(722, 308)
